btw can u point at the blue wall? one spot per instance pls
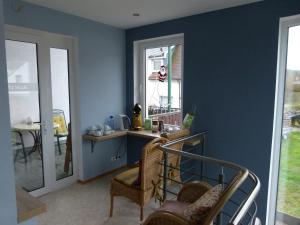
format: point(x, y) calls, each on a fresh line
point(229, 74)
point(8, 210)
point(101, 73)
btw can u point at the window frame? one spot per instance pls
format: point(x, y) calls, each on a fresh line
point(139, 65)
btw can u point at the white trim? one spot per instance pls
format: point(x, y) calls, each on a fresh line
point(139, 48)
point(45, 41)
point(285, 24)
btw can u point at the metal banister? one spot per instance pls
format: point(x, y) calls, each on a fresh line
point(243, 207)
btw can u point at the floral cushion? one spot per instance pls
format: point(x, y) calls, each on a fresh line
point(204, 203)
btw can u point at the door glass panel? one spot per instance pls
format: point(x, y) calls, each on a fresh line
point(26, 138)
point(288, 198)
point(61, 112)
point(163, 84)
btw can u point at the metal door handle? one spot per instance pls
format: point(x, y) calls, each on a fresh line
point(43, 127)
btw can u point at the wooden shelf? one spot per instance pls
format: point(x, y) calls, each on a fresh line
point(144, 133)
point(28, 206)
point(105, 137)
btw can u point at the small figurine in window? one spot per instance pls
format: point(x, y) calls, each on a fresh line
point(162, 74)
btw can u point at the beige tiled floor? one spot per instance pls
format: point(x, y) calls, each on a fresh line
point(89, 205)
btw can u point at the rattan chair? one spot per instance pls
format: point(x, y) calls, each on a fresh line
point(174, 160)
point(190, 193)
point(142, 192)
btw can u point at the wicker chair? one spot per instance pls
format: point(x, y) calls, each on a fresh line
point(174, 160)
point(190, 193)
point(125, 183)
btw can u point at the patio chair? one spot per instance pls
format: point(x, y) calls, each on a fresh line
point(61, 131)
point(17, 143)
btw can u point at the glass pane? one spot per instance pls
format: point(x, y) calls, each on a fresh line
point(61, 112)
point(288, 199)
point(163, 84)
point(26, 139)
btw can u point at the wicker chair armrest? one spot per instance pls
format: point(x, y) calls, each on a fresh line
point(159, 140)
point(192, 191)
point(165, 218)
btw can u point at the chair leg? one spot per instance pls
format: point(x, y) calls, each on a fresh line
point(23, 149)
point(16, 155)
point(111, 205)
point(142, 213)
point(58, 145)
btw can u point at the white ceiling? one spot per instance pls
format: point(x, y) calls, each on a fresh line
point(118, 13)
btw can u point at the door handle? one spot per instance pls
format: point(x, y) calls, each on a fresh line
point(44, 127)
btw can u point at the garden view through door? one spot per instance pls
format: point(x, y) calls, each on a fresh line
point(288, 197)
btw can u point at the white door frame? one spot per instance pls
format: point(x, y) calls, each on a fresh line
point(285, 24)
point(46, 41)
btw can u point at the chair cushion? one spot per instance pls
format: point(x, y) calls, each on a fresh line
point(62, 126)
point(205, 202)
point(128, 177)
point(174, 207)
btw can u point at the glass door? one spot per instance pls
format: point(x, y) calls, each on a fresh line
point(40, 69)
point(284, 183)
point(61, 66)
point(25, 114)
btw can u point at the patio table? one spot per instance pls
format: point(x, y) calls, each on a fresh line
point(34, 130)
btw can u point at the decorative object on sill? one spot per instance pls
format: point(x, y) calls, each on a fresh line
point(148, 124)
point(162, 74)
point(187, 121)
point(137, 122)
point(155, 126)
point(161, 126)
point(189, 118)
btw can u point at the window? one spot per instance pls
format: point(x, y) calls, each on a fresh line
point(157, 64)
point(160, 63)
